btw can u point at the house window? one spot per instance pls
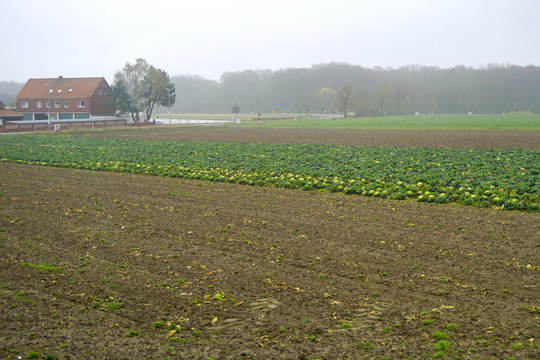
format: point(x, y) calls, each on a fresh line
point(39, 104)
point(66, 104)
point(57, 104)
point(104, 91)
point(80, 104)
point(47, 104)
point(24, 104)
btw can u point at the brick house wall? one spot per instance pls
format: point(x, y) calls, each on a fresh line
point(69, 97)
point(101, 102)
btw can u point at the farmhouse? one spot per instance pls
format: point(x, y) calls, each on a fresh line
point(65, 98)
point(7, 115)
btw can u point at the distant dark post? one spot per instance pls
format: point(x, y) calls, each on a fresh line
point(169, 97)
point(49, 90)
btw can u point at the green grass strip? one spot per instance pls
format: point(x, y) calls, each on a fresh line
point(412, 122)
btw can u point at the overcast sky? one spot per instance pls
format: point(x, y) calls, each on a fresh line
point(48, 38)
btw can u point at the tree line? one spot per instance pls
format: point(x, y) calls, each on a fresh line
point(336, 87)
point(140, 90)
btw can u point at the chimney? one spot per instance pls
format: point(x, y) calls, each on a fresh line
point(60, 78)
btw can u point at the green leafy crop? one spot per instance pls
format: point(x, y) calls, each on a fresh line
point(505, 179)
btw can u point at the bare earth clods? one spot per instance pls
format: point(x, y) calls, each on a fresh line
point(119, 266)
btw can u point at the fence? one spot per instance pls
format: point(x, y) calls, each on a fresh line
point(28, 126)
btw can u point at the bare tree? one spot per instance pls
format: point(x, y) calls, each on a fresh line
point(381, 94)
point(343, 96)
point(7, 99)
point(400, 96)
point(132, 78)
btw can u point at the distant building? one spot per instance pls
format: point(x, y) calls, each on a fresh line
point(8, 115)
point(70, 98)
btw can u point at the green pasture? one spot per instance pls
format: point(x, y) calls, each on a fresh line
point(416, 122)
point(264, 116)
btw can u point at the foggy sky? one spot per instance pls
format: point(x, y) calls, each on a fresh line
point(73, 38)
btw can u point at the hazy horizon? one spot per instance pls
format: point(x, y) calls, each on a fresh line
point(110, 80)
point(209, 38)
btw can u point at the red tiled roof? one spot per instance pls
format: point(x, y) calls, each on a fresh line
point(80, 87)
point(9, 113)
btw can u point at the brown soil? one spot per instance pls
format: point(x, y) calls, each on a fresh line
point(420, 138)
point(255, 273)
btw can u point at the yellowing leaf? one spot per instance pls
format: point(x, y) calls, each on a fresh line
point(410, 317)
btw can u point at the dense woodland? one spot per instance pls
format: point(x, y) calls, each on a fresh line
point(374, 91)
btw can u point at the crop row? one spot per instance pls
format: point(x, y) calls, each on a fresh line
point(507, 179)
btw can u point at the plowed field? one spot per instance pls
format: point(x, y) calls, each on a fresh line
point(120, 266)
point(419, 138)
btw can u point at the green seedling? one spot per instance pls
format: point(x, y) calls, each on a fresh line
point(439, 335)
point(132, 333)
